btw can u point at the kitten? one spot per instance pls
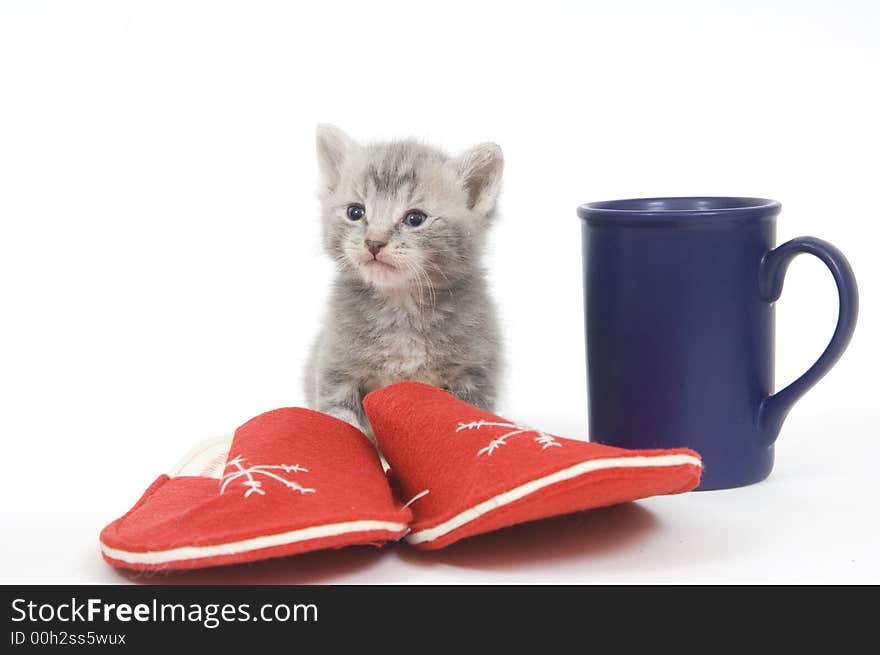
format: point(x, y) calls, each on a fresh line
point(405, 224)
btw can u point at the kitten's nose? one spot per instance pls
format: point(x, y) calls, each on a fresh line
point(375, 246)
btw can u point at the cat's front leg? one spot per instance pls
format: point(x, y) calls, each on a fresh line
point(341, 397)
point(476, 388)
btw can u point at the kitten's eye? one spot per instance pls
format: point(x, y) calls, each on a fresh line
point(414, 218)
point(355, 212)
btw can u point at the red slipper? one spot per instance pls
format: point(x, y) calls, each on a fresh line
point(294, 480)
point(471, 472)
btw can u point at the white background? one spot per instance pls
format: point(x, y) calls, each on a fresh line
point(160, 274)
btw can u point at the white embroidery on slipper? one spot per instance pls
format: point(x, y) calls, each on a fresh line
point(546, 440)
point(256, 486)
point(416, 497)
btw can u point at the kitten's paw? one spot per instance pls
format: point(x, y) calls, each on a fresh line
point(353, 419)
point(474, 396)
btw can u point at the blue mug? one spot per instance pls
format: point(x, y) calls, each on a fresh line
point(679, 303)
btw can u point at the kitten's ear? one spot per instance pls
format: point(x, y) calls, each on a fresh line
point(479, 170)
point(333, 147)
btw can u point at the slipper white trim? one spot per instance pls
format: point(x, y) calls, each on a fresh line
point(475, 512)
point(255, 543)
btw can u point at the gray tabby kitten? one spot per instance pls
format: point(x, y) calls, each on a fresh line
point(405, 224)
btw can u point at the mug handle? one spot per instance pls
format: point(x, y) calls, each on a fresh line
point(774, 408)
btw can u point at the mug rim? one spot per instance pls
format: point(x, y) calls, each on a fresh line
point(679, 209)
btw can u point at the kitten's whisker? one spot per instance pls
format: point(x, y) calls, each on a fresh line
point(431, 287)
point(421, 271)
point(440, 271)
point(411, 268)
point(445, 277)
